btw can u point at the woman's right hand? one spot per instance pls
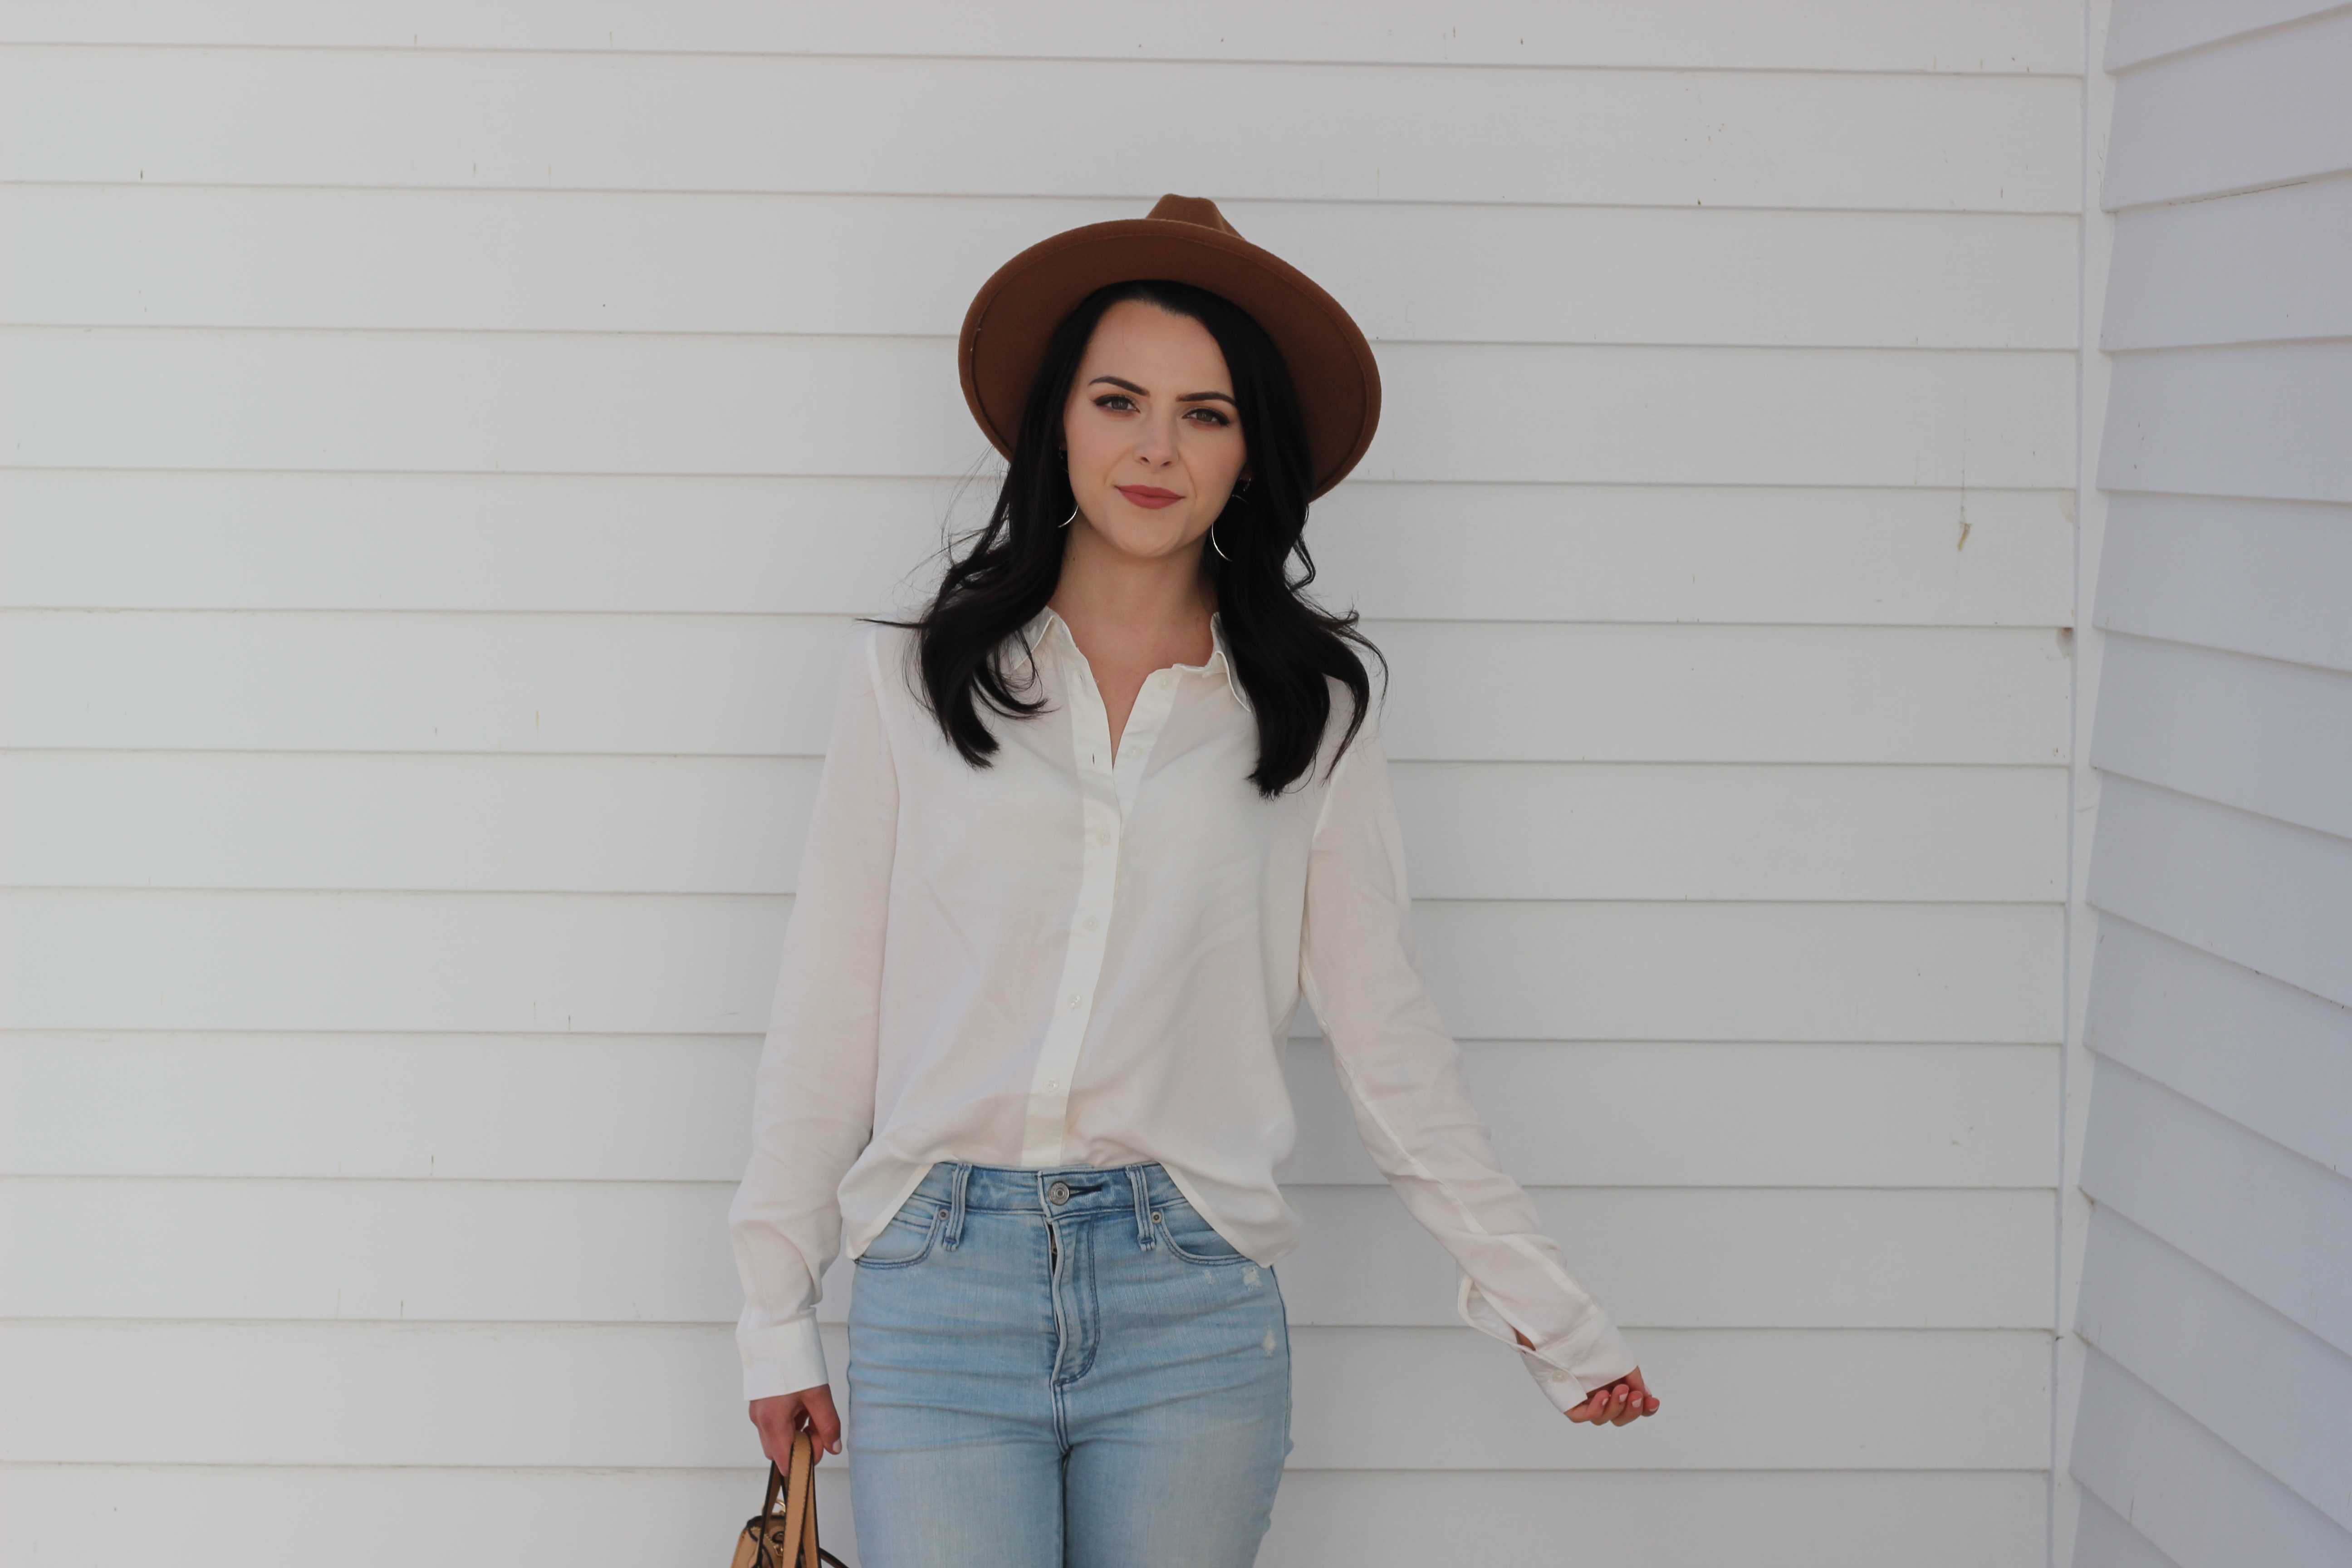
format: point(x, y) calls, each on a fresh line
point(782, 1414)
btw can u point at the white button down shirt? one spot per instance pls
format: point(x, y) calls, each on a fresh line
point(1072, 959)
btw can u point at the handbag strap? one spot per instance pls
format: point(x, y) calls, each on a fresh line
point(768, 1507)
point(800, 1511)
point(800, 1508)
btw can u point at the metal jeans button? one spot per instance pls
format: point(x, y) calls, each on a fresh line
point(1059, 1192)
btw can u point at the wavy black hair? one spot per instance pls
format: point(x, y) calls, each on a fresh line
point(1283, 644)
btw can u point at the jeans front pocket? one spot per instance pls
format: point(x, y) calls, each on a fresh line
point(1190, 1237)
point(908, 1239)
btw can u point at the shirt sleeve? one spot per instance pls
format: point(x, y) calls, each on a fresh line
point(812, 1100)
point(1402, 1075)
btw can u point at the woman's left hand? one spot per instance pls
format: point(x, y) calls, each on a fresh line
point(1620, 1404)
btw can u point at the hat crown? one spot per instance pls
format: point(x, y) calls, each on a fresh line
point(1195, 210)
point(1185, 239)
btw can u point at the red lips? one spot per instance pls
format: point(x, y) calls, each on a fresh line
point(1150, 496)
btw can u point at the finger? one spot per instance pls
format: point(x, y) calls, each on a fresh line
point(1581, 1410)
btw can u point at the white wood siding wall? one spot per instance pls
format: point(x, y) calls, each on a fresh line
point(2215, 1422)
point(447, 444)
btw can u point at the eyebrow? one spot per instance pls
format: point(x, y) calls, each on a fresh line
point(1188, 397)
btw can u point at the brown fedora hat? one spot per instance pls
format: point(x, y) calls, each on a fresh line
point(1186, 240)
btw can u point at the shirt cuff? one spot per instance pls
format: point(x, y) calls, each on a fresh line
point(1566, 1374)
point(785, 1358)
point(1565, 1368)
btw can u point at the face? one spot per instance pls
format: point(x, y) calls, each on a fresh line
point(1154, 441)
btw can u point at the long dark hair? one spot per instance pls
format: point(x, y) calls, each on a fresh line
point(1283, 644)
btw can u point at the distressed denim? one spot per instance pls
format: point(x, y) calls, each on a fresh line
point(1062, 1368)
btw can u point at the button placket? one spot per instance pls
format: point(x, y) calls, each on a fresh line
point(1048, 1111)
point(1107, 789)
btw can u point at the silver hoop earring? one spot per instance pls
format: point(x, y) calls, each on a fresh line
point(1215, 546)
point(1071, 518)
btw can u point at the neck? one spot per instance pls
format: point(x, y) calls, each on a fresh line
point(1127, 604)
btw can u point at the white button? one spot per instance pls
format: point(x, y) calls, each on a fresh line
point(1103, 838)
point(1092, 923)
point(1558, 1377)
point(1075, 1000)
point(1053, 1083)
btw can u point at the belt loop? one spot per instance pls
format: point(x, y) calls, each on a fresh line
point(961, 1180)
point(1142, 1185)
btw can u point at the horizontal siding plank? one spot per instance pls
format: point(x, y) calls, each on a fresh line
point(1375, 1398)
point(272, 1516)
point(1835, 35)
point(2277, 1394)
point(1552, 830)
point(764, 686)
point(1516, 830)
point(280, 117)
point(2196, 1499)
point(658, 1395)
point(2247, 270)
point(474, 823)
point(275, 1516)
point(602, 1108)
point(615, 1252)
point(303, 681)
point(896, 266)
point(726, 404)
point(2261, 110)
point(2248, 577)
point(2143, 30)
point(1762, 555)
point(1325, 1518)
point(2273, 898)
point(2263, 421)
point(638, 544)
point(2274, 1223)
point(2258, 734)
point(123, 959)
point(128, 540)
point(2264, 1054)
point(1929, 1116)
point(1719, 694)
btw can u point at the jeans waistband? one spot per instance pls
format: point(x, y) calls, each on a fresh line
point(1060, 1192)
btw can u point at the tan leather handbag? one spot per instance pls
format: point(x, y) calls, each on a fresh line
point(786, 1540)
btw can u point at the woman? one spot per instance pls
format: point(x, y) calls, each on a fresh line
point(1087, 831)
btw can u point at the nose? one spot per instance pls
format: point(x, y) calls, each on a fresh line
point(1156, 443)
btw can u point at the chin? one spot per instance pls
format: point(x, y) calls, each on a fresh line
point(1152, 535)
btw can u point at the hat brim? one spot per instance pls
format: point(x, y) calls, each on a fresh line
point(1014, 314)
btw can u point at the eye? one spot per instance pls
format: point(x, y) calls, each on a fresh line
point(1216, 416)
point(1120, 399)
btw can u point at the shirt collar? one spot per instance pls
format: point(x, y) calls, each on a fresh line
point(1222, 657)
point(1044, 624)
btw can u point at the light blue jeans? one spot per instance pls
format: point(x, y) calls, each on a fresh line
point(1063, 1369)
